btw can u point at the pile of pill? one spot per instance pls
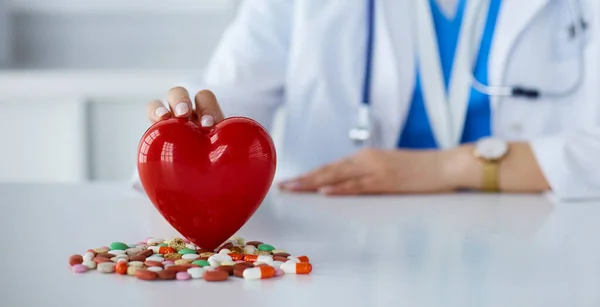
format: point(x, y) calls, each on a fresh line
point(179, 259)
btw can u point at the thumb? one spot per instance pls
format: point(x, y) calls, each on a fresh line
point(207, 108)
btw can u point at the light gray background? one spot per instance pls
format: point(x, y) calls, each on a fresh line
point(69, 34)
point(68, 68)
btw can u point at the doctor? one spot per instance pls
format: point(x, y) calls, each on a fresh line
point(413, 96)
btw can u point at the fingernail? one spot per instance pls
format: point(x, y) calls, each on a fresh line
point(290, 185)
point(181, 109)
point(161, 111)
point(207, 121)
point(326, 190)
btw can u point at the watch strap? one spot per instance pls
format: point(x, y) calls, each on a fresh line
point(490, 176)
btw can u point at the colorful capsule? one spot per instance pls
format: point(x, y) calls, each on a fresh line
point(296, 268)
point(236, 256)
point(299, 258)
point(261, 272)
point(250, 258)
point(264, 258)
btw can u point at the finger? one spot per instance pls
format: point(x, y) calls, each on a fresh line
point(157, 111)
point(180, 102)
point(354, 186)
point(207, 108)
point(324, 176)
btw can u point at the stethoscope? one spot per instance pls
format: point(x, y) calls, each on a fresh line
point(362, 133)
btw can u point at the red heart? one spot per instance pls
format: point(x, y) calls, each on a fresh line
point(206, 182)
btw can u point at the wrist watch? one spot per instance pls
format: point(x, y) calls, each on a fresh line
point(491, 151)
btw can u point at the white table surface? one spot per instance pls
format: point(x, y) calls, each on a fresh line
point(444, 250)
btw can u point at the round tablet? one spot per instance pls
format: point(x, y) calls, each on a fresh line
point(215, 275)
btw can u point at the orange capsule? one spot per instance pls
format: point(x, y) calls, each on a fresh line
point(121, 268)
point(166, 250)
point(260, 272)
point(291, 267)
point(299, 259)
point(236, 256)
point(250, 258)
point(303, 259)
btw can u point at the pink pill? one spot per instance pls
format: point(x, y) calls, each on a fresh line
point(105, 247)
point(79, 268)
point(168, 262)
point(183, 276)
point(278, 272)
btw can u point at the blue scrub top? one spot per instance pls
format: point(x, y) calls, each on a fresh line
point(417, 132)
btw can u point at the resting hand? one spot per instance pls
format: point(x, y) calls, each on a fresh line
point(379, 172)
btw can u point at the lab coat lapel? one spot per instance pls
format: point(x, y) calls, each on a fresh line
point(432, 80)
point(395, 64)
point(469, 42)
point(514, 17)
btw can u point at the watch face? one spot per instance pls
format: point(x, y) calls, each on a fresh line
point(491, 148)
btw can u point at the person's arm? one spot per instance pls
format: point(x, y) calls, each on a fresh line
point(248, 67)
point(568, 165)
point(519, 170)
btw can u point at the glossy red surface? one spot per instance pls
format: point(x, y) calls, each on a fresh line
point(206, 182)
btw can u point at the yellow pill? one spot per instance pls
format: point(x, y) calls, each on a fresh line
point(132, 269)
point(101, 250)
point(182, 261)
point(227, 263)
point(239, 240)
point(137, 264)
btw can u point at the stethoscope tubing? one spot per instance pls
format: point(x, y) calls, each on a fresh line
point(369, 52)
point(490, 90)
point(362, 133)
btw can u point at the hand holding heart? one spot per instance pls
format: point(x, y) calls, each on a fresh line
point(205, 109)
point(206, 179)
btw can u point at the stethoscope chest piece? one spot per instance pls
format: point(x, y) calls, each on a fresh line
point(361, 134)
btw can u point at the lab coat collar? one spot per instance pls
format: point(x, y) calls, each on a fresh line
point(513, 19)
point(447, 111)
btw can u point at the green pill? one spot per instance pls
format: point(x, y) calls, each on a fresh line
point(118, 246)
point(186, 251)
point(201, 263)
point(265, 247)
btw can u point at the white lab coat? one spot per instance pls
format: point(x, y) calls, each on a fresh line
point(308, 56)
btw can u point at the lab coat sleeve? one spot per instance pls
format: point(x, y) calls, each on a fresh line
point(570, 161)
point(570, 164)
point(248, 67)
